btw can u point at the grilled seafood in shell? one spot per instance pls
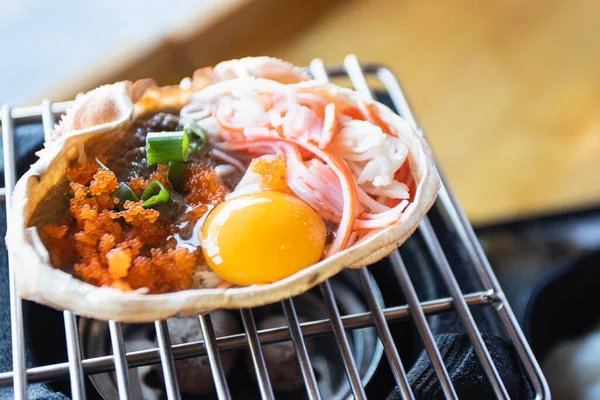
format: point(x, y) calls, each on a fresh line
point(245, 185)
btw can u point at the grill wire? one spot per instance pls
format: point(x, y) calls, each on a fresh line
point(76, 368)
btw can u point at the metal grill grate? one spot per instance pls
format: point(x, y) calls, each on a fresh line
point(492, 296)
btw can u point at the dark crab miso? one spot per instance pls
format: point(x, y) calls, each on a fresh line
point(130, 216)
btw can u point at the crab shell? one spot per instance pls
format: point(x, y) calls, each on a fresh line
point(91, 126)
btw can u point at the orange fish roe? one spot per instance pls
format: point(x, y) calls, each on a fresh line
point(272, 172)
point(59, 243)
point(83, 174)
point(197, 212)
point(161, 174)
point(144, 224)
point(109, 266)
point(137, 186)
point(120, 249)
point(137, 215)
point(91, 269)
point(119, 261)
point(56, 231)
point(120, 258)
point(102, 187)
point(203, 188)
point(203, 185)
point(82, 207)
point(88, 239)
point(107, 243)
point(164, 271)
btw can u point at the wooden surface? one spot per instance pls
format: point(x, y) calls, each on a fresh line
point(508, 92)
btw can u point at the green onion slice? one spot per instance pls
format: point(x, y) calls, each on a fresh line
point(162, 147)
point(176, 171)
point(193, 129)
point(155, 194)
point(67, 197)
point(101, 164)
point(125, 193)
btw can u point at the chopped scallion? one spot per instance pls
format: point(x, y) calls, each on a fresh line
point(176, 171)
point(125, 193)
point(155, 194)
point(162, 147)
point(67, 197)
point(198, 141)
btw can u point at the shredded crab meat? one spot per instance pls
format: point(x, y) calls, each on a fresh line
point(341, 157)
point(228, 159)
point(373, 157)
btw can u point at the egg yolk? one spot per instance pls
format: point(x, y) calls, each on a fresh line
point(262, 237)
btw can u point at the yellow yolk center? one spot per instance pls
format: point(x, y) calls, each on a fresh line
point(262, 237)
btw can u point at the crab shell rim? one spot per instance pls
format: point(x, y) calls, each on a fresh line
point(39, 281)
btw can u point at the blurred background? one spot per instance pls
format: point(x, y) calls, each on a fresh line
point(508, 93)
point(510, 87)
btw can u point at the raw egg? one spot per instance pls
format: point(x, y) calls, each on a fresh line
point(262, 237)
